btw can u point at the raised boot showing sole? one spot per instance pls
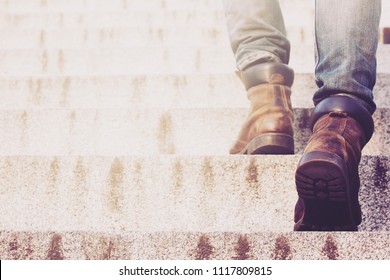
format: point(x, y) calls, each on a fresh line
point(323, 183)
point(268, 128)
point(327, 177)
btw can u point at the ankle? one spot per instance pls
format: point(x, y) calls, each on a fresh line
point(267, 73)
point(347, 107)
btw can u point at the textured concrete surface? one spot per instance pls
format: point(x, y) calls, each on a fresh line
point(198, 131)
point(195, 246)
point(109, 19)
point(102, 5)
point(144, 60)
point(128, 37)
point(180, 194)
point(150, 91)
point(138, 60)
point(118, 37)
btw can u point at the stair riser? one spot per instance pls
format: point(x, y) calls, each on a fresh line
point(145, 132)
point(150, 60)
point(153, 19)
point(113, 19)
point(195, 246)
point(130, 37)
point(102, 5)
point(140, 91)
point(177, 194)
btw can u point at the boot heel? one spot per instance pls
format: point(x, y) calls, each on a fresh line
point(322, 182)
point(271, 143)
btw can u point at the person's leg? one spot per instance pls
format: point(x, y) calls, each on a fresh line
point(327, 176)
point(347, 40)
point(258, 39)
point(256, 31)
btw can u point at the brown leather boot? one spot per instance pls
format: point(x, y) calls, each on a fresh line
point(327, 177)
point(269, 125)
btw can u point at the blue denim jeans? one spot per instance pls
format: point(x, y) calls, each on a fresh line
point(346, 39)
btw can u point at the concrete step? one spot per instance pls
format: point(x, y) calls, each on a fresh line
point(145, 131)
point(117, 19)
point(106, 6)
point(126, 37)
point(194, 246)
point(152, 194)
point(150, 91)
point(134, 36)
point(146, 60)
point(15, 38)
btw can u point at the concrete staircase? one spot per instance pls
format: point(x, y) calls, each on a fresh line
point(116, 118)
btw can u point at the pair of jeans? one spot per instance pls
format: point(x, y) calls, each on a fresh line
point(346, 39)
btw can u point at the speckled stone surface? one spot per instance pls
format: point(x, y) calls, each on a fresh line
point(118, 132)
point(149, 60)
point(195, 246)
point(140, 91)
point(167, 193)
